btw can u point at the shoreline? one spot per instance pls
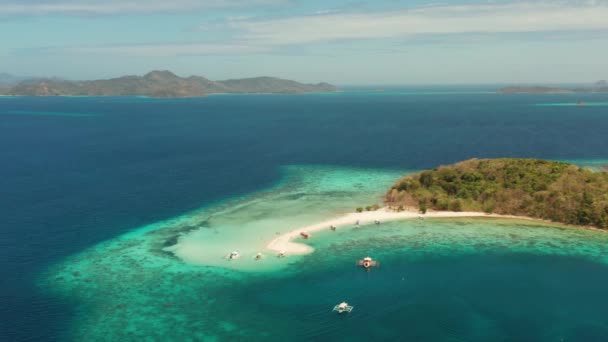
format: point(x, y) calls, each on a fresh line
point(285, 243)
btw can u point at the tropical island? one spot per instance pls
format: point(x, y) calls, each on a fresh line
point(493, 188)
point(548, 190)
point(163, 84)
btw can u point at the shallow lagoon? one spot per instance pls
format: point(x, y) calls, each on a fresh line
point(465, 279)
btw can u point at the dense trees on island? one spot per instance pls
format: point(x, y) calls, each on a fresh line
point(550, 190)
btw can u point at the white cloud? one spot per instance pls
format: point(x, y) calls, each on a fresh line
point(100, 7)
point(163, 50)
point(491, 18)
point(250, 35)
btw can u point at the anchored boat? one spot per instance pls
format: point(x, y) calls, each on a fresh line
point(304, 235)
point(368, 262)
point(343, 308)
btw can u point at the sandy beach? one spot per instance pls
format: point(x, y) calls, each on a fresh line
point(285, 242)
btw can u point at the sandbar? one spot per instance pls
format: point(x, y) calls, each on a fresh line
point(285, 242)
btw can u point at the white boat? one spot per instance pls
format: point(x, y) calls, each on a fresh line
point(343, 308)
point(258, 256)
point(281, 254)
point(368, 262)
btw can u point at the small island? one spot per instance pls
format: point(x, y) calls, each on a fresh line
point(164, 84)
point(548, 190)
point(506, 188)
point(597, 87)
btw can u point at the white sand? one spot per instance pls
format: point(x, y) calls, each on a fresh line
point(284, 242)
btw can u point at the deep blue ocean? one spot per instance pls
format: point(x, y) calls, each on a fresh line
point(78, 171)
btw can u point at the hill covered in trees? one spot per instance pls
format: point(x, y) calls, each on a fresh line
point(550, 190)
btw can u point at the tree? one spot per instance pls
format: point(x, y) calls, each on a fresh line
point(422, 207)
point(426, 178)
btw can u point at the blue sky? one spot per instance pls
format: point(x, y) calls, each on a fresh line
point(339, 41)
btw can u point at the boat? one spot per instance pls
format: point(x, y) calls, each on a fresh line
point(233, 255)
point(304, 235)
point(332, 227)
point(281, 254)
point(258, 256)
point(368, 262)
point(343, 308)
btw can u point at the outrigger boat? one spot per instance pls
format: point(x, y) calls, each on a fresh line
point(304, 235)
point(233, 255)
point(368, 262)
point(343, 308)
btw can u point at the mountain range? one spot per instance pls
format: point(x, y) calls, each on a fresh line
point(162, 84)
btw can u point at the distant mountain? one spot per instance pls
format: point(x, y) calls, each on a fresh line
point(599, 87)
point(7, 80)
point(534, 90)
point(274, 85)
point(163, 84)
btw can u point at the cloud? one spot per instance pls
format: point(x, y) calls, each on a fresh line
point(100, 7)
point(478, 23)
point(160, 50)
point(463, 19)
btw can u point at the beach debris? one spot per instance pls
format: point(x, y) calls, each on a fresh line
point(332, 227)
point(304, 235)
point(367, 263)
point(281, 254)
point(343, 308)
point(233, 255)
point(258, 256)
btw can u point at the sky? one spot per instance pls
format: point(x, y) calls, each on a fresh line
point(339, 41)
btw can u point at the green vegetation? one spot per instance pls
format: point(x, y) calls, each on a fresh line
point(549, 190)
point(372, 207)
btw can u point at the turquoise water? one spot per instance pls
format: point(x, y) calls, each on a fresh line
point(92, 209)
point(464, 279)
point(42, 113)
